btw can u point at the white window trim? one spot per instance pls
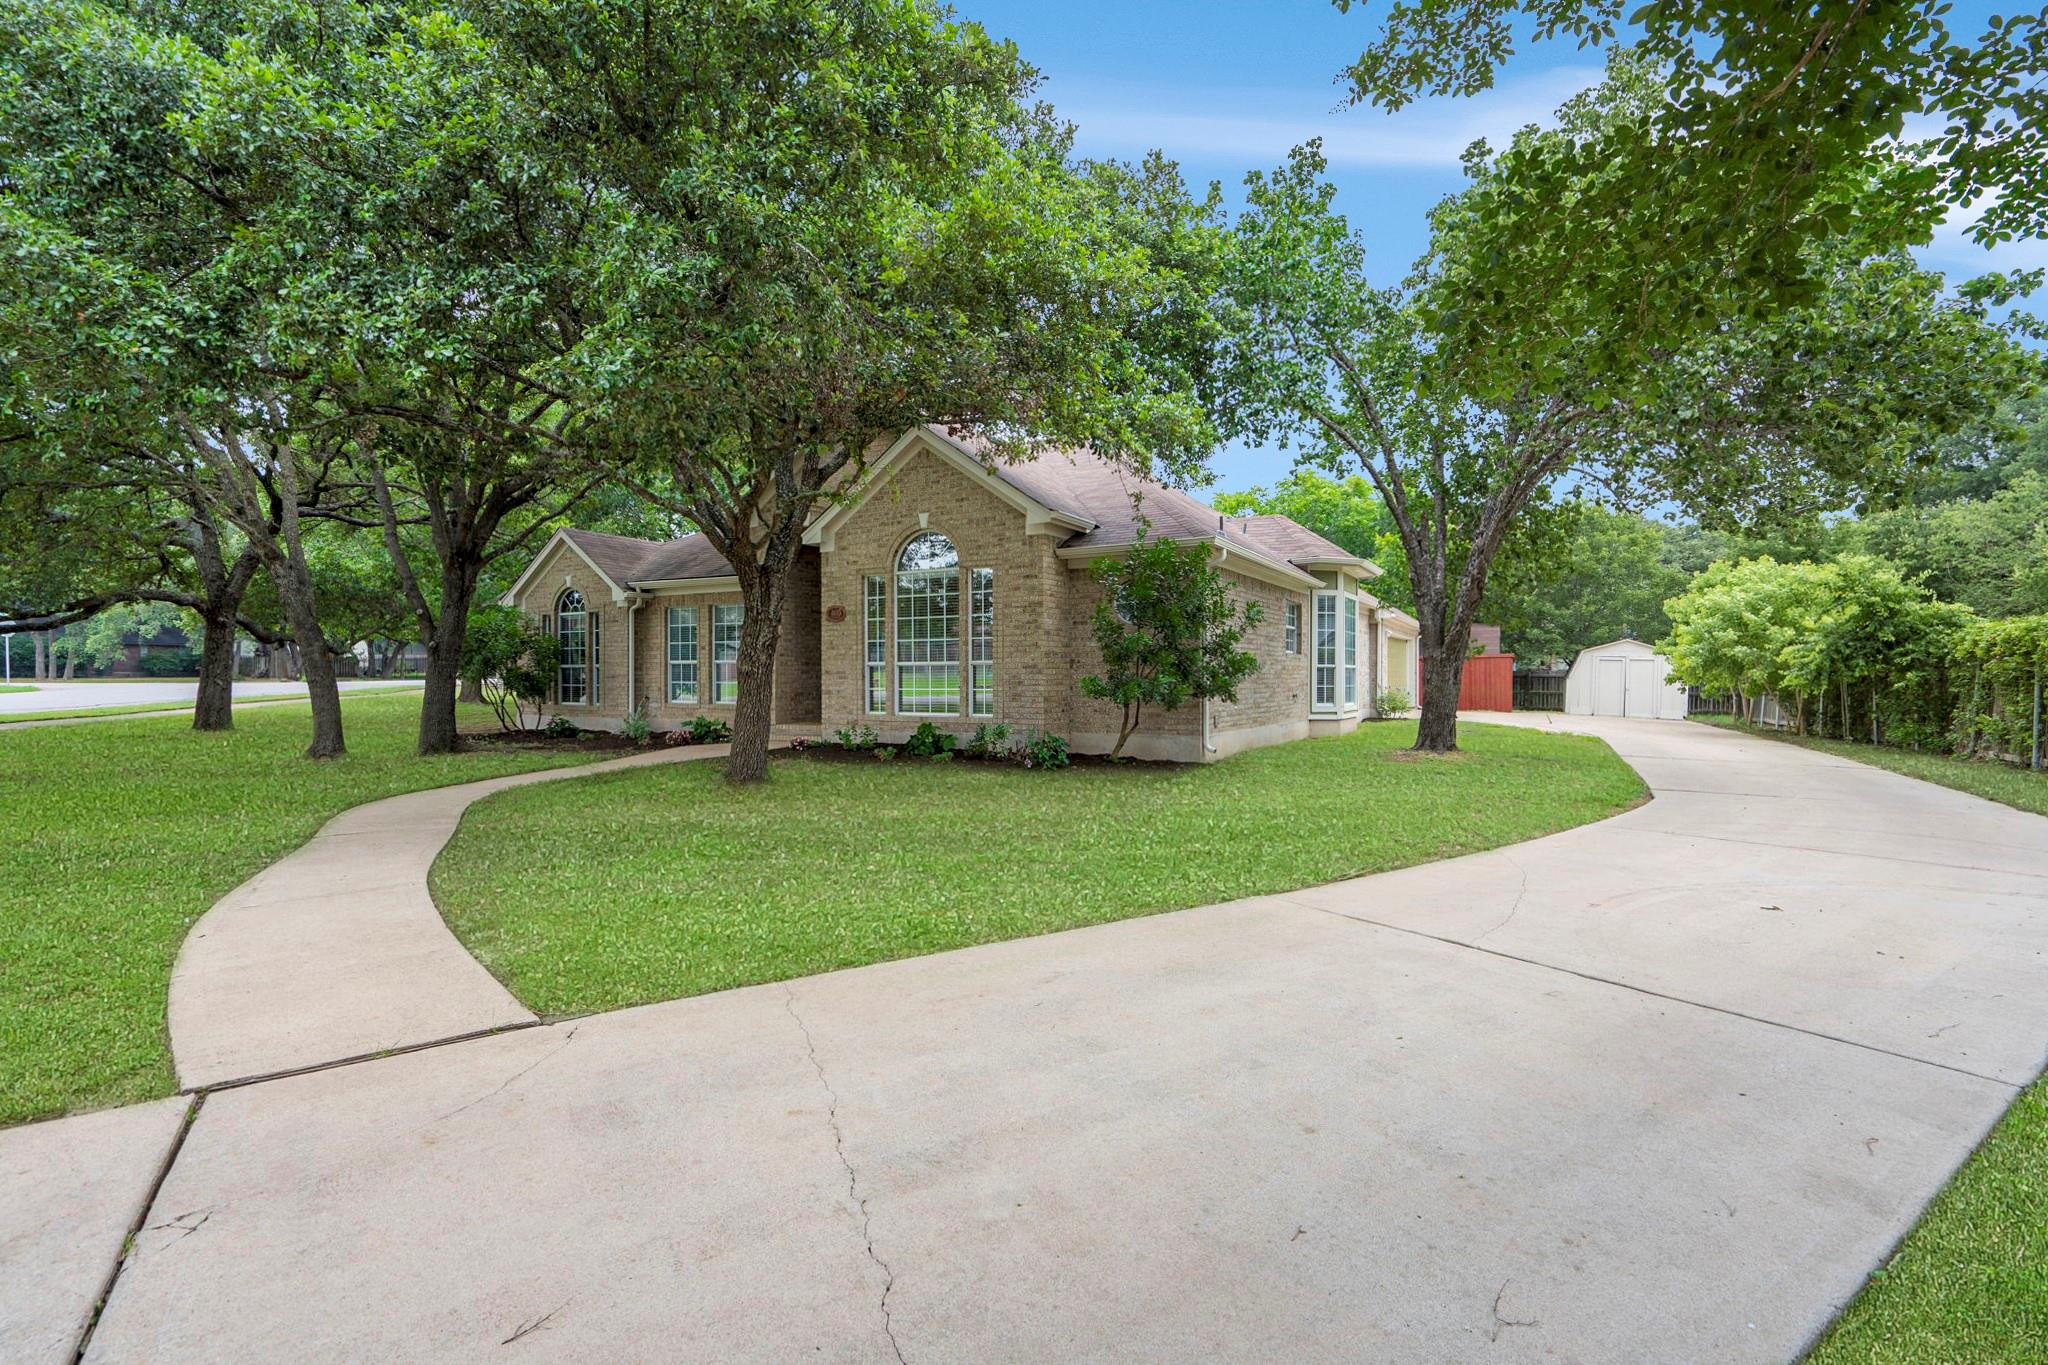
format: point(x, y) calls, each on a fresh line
point(1290, 628)
point(694, 696)
point(588, 680)
point(1347, 654)
point(738, 618)
point(958, 616)
point(974, 660)
point(874, 596)
point(1315, 647)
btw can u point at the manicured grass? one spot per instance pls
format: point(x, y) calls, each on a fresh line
point(145, 707)
point(1970, 1284)
point(119, 836)
point(648, 885)
point(16, 687)
point(1993, 781)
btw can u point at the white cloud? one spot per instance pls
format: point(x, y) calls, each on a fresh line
point(1258, 126)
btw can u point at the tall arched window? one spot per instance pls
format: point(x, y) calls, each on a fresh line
point(928, 627)
point(572, 631)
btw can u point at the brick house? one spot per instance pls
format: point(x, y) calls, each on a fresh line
point(950, 590)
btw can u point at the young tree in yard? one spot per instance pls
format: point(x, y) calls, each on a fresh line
point(826, 223)
point(1168, 631)
point(511, 661)
point(1821, 405)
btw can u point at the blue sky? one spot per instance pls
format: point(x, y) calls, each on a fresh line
point(1224, 86)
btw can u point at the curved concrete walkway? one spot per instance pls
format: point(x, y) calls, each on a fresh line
point(337, 950)
point(1662, 1088)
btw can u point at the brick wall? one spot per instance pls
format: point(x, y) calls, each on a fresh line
point(926, 492)
point(796, 655)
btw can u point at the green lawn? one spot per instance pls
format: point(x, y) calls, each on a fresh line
point(649, 885)
point(1999, 782)
point(16, 687)
point(118, 836)
point(1970, 1285)
point(145, 707)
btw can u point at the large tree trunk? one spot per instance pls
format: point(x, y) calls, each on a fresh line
point(471, 693)
point(754, 717)
point(316, 661)
point(214, 709)
point(1443, 674)
point(1446, 635)
point(224, 586)
point(41, 641)
point(444, 660)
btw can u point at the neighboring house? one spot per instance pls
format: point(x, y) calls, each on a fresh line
point(947, 590)
point(135, 647)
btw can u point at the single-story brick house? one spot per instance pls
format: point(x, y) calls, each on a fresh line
point(951, 590)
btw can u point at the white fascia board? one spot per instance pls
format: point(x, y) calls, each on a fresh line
point(1037, 516)
point(560, 538)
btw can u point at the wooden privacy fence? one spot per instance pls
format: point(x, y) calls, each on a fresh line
point(1488, 685)
point(1540, 689)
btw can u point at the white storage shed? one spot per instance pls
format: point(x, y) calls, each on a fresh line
point(1623, 678)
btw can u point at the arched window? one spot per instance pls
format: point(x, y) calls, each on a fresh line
point(572, 632)
point(928, 627)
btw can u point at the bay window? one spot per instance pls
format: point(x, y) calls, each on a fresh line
point(1323, 680)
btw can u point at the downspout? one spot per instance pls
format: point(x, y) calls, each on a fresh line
point(634, 602)
point(1207, 746)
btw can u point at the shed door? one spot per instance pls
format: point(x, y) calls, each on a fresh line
point(1645, 688)
point(1610, 686)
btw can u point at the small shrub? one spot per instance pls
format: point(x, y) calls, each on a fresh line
point(172, 664)
point(801, 744)
point(1042, 749)
point(942, 756)
point(884, 753)
point(636, 728)
point(989, 741)
point(856, 737)
point(705, 730)
point(1392, 702)
point(929, 741)
point(561, 727)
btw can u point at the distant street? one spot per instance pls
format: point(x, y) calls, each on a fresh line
point(79, 696)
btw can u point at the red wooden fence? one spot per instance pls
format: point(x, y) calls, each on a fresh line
point(1488, 685)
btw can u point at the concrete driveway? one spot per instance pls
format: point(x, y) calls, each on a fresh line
point(1659, 1089)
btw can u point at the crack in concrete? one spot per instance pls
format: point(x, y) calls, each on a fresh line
point(528, 1328)
point(507, 1083)
point(1520, 893)
point(1471, 946)
point(181, 1227)
point(852, 1176)
point(1501, 1324)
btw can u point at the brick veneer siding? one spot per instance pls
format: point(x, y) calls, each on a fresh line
point(1271, 705)
point(796, 655)
point(1030, 668)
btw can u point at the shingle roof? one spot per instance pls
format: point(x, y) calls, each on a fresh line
point(1082, 483)
point(1076, 483)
